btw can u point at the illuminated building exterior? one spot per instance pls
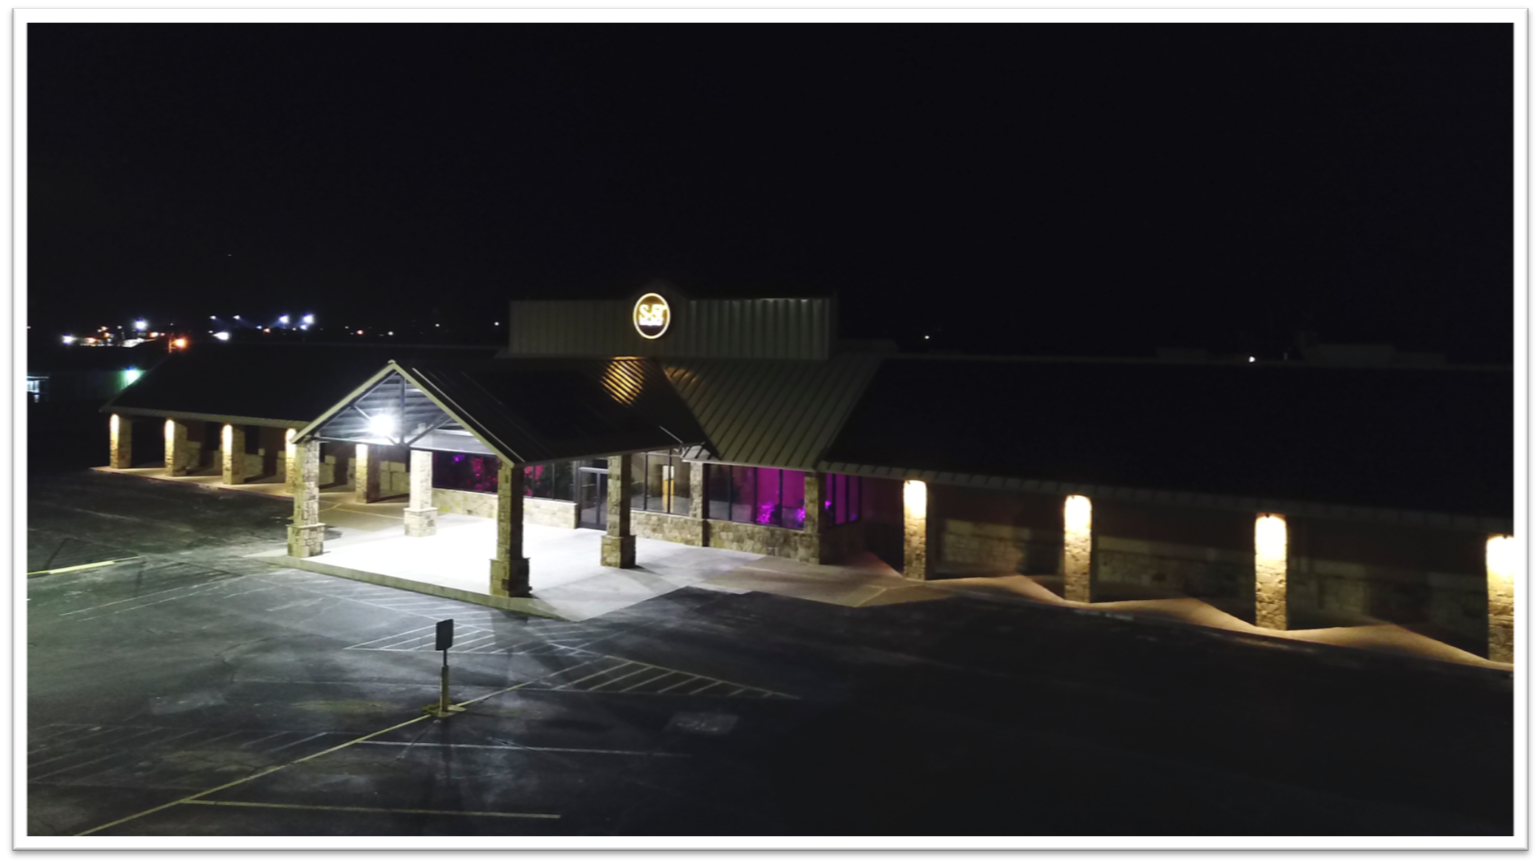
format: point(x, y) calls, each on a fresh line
point(1292, 497)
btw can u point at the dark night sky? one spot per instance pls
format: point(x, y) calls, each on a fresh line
point(1012, 188)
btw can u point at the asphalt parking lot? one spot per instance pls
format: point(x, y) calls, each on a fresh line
point(187, 689)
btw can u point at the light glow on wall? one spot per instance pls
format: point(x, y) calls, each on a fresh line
point(1270, 538)
point(130, 375)
point(226, 437)
point(1077, 514)
point(1270, 605)
point(915, 498)
point(1500, 558)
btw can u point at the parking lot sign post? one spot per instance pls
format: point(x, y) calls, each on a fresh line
point(445, 641)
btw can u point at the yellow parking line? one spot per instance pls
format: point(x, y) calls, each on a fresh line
point(376, 809)
point(263, 773)
point(81, 566)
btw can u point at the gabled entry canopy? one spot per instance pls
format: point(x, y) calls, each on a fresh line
point(523, 411)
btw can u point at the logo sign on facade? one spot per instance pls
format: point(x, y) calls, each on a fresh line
point(652, 316)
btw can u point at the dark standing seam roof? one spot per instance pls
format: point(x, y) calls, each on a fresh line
point(290, 384)
point(780, 413)
point(540, 410)
point(1429, 440)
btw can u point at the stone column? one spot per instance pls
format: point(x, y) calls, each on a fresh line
point(817, 518)
point(290, 465)
point(421, 516)
point(177, 453)
point(1078, 549)
point(618, 543)
point(365, 489)
point(306, 536)
point(232, 446)
point(1500, 562)
point(122, 442)
point(509, 569)
point(698, 503)
point(1270, 571)
point(919, 554)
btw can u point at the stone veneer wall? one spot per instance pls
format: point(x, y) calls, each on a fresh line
point(1004, 548)
point(665, 526)
point(763, 540)
point(982, 530)
point(1402, 574)
point(536, 511)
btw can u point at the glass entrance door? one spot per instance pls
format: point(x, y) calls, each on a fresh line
point(592, 498)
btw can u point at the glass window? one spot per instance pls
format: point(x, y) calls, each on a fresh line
point(765, 496)
point(563, 487)
point(856, 495)
point(841, 499)
point(637, 489)
point(744, 493)
point(465, 472)
point(793, 497)
point(718, 479)
point(682, 486)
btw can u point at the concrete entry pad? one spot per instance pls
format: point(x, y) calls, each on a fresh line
point(567, 579)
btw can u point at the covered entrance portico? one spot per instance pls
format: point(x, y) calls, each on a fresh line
point(523, 412)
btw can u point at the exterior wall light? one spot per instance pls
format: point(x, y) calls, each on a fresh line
point(381, 426)
point(141, 324)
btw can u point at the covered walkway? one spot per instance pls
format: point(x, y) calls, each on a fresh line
point(568, 581)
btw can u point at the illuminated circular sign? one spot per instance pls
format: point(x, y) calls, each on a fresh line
point(652, 316)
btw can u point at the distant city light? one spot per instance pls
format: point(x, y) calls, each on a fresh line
point(237, 317)
point(213, 317)
point(266, 329)
point(925, 336)
point(141, 324)
point(497, 323)
point(179, 343)
point(304, 326)
point(69, 340)
point(392, 332)
point(437, 325)
point(309, 319)
point(283, 319)
point(360, 332)
point(1251, 359)
point(222, 336)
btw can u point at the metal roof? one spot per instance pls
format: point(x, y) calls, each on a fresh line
point(779, 413)
point(1350, 441)
point(265, 385)
point(525, 411)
